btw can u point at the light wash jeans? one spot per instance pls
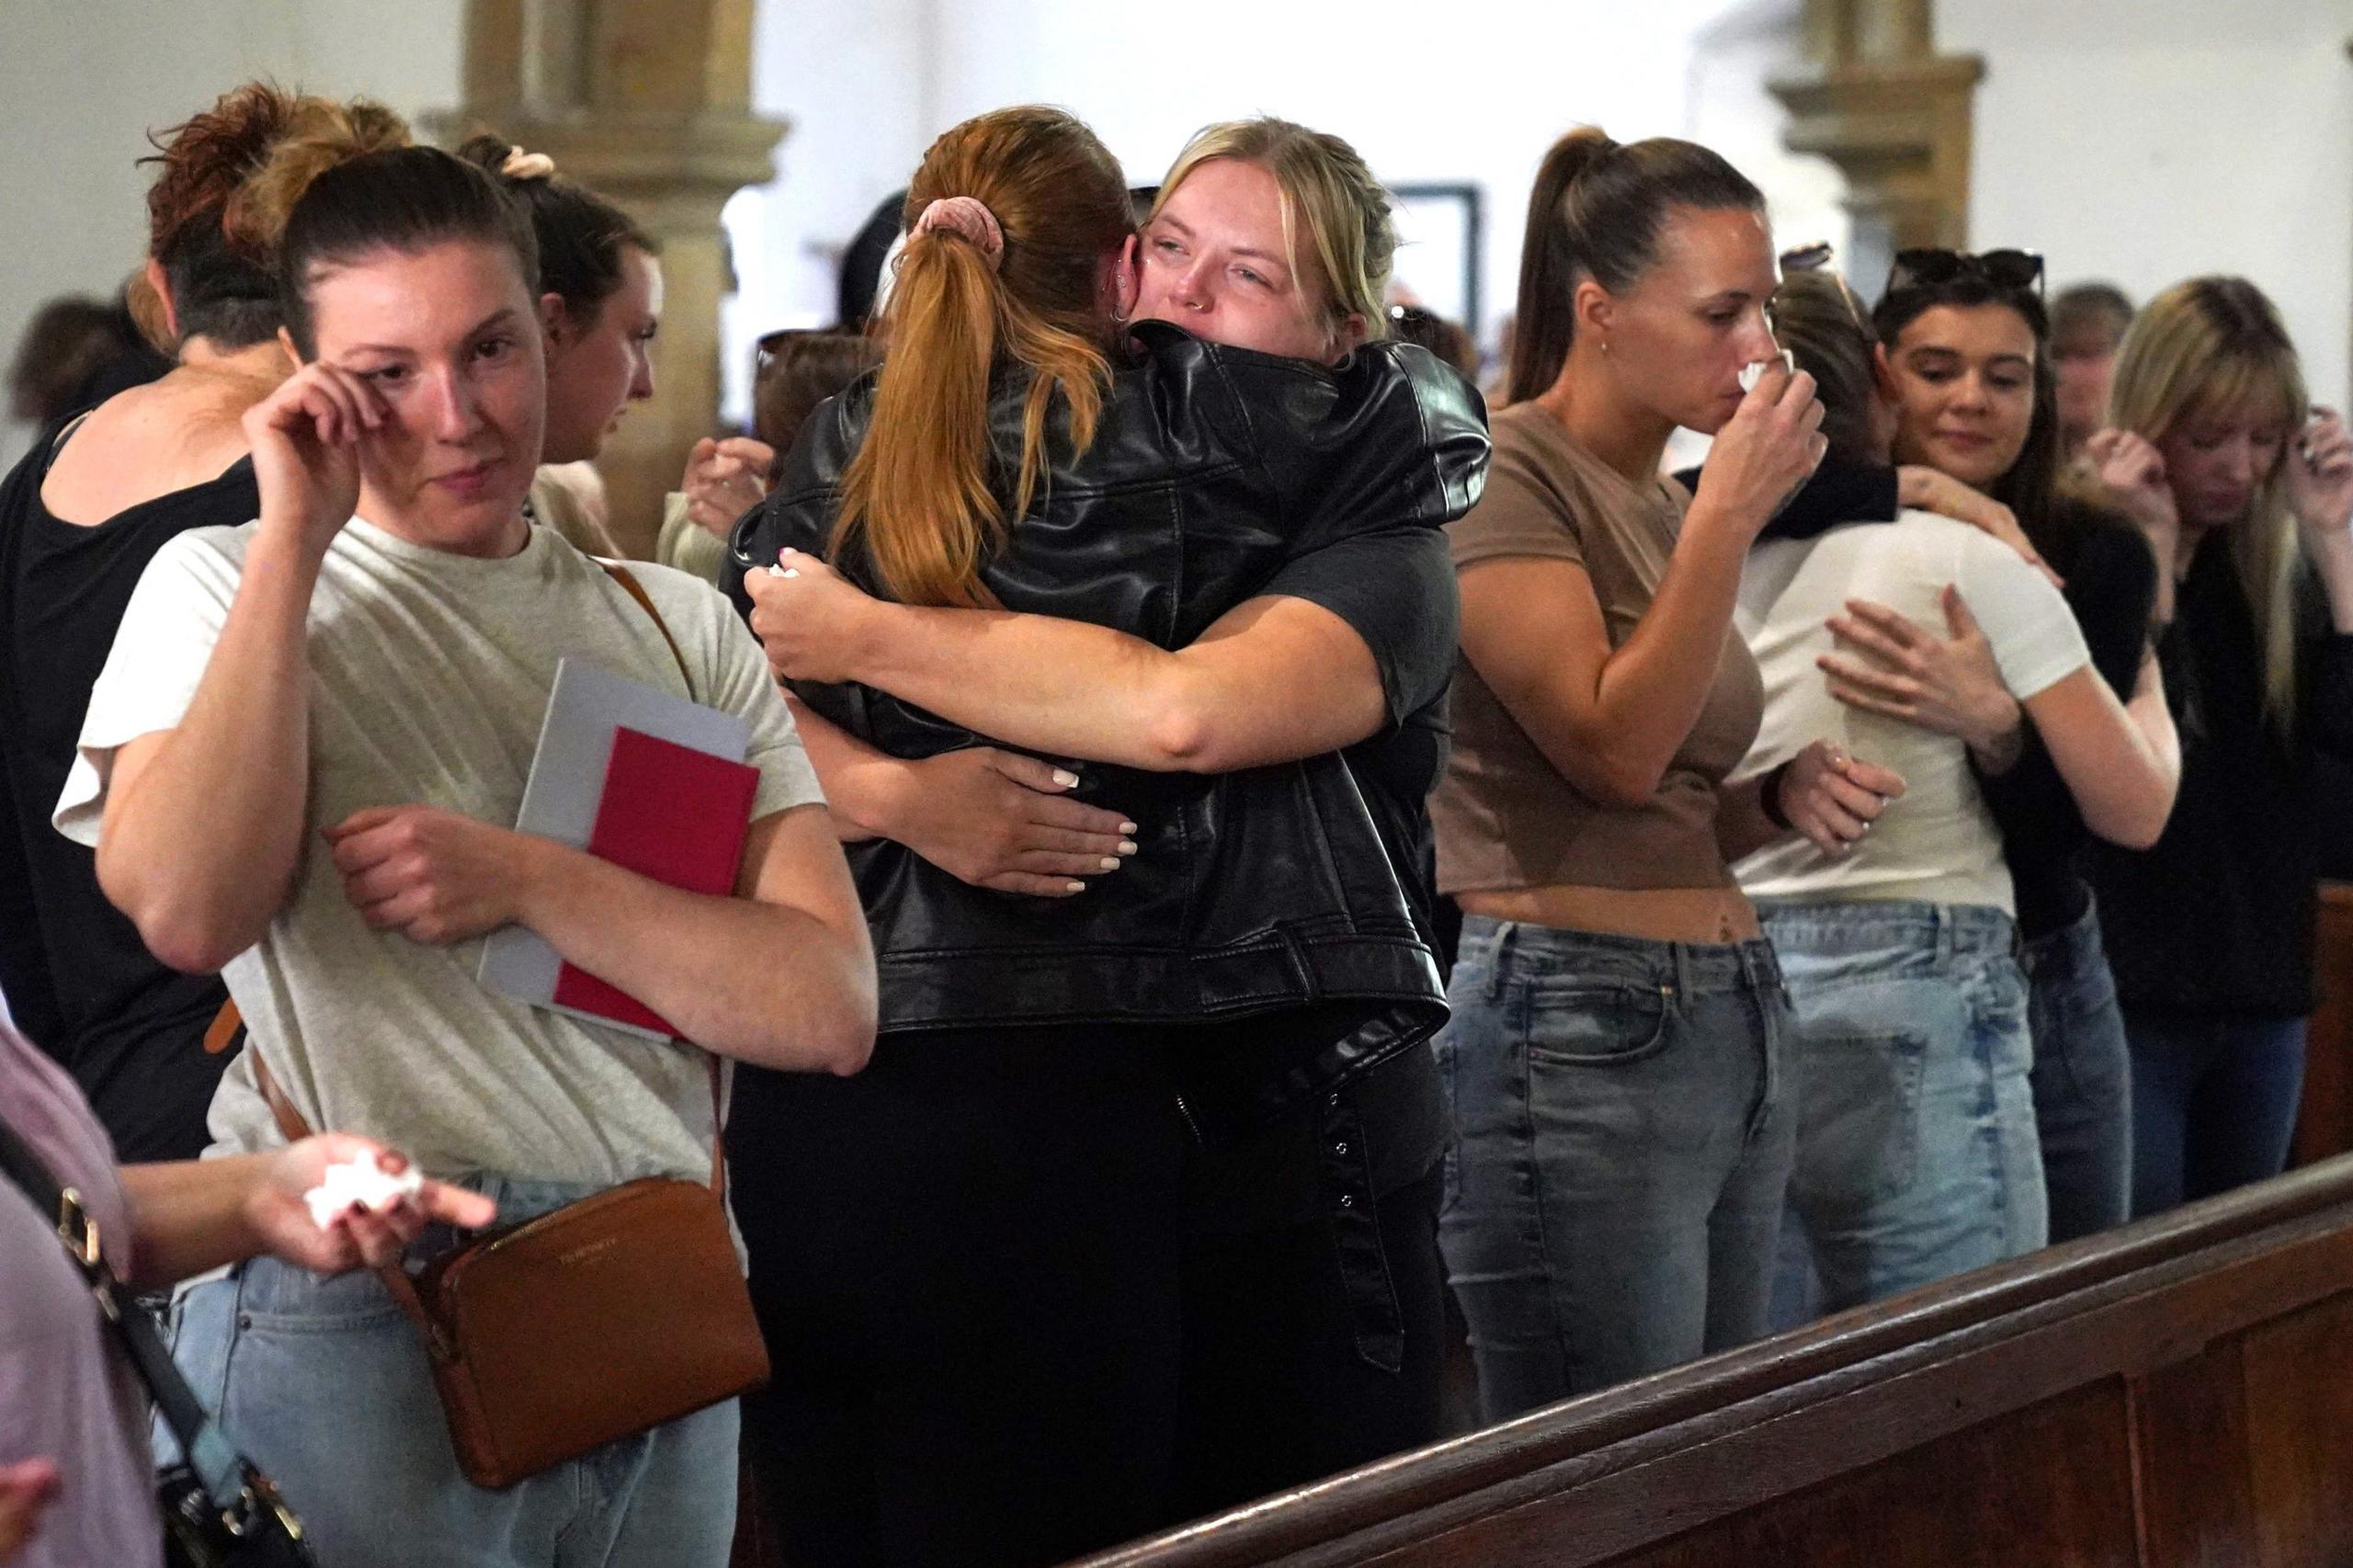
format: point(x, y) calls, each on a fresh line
point(1623, 1135)
point(324, 1384)
point(2083, 1080)
point(1917, 1152)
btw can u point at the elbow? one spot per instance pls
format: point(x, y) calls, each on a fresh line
point(846, 1050)
point(192, 946)
point(2135, 825)
point(847, 1044)
point(1619, 781)
point(1180, 736)
point(190, 940)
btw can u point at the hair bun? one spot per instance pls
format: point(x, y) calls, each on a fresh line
point(321, 135)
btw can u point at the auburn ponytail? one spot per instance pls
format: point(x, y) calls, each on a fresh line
point(921, 495)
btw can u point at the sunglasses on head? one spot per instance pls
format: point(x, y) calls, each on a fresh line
point(1816, 258)
point(1930, 268)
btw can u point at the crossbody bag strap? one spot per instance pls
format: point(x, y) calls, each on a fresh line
point(636, 590)
point(212, 1459)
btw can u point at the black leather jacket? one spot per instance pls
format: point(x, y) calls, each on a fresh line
point(1267, 900)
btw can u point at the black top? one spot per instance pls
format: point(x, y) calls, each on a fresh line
point(79, 980)
point(2111, 584)
point(2217, 916)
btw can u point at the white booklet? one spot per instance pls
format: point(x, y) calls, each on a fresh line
point(588, 705)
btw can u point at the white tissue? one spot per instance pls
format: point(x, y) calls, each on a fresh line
point(350, 1183)
point(1755, 369)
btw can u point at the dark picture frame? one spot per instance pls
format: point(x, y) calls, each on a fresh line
point(1441, 230)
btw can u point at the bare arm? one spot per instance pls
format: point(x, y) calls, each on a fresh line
point(1274, 679)
point(1608, 721)
point(203, 822)
point(2121, 762)
point(190, 1215)
point(994, 818)
point(1610, 718)
point(780, 974)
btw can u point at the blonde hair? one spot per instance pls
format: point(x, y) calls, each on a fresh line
point(1326, 188)
point(2213, 345)
point(918, 494)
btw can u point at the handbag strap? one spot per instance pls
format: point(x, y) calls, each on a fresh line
point(211, 1458)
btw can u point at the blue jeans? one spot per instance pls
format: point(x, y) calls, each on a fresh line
point(1624, 1140)
point(1917, 1154)
point(2214, 1100)
point(324, 1384)
point(2083, 1080)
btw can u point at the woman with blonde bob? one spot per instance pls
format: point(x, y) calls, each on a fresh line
point(2245, 492)
point(1124, 660)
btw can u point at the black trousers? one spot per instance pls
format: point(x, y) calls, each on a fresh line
point(1003, 1332)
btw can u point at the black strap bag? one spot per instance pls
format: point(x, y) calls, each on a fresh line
point(219, 1511)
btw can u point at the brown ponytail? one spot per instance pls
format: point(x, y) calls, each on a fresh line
point(918, 494)
point(1595, 212)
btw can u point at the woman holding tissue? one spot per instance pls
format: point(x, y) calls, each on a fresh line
point(299, 766)
point(1615, 1055)
point(78, 1478)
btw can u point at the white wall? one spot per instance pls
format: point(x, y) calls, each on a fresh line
point(1474, 91)
point(86, 81)
point(2149, 140)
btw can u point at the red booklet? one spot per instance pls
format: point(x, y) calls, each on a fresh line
point(673, 814)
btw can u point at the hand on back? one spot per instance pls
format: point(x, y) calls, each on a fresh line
point(1000, 820)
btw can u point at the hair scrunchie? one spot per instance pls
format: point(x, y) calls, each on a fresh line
point(967, 216)
point(521, 164)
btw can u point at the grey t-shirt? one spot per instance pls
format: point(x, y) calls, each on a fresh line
point(429, 677)
point(65, 1394)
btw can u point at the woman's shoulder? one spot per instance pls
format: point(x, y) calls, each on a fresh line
point(1399, 390)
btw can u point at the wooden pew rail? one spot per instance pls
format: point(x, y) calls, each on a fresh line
point(2176, 1392)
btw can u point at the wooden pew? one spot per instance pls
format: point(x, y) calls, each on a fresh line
point(2179, 1391)
point(2324, 1120)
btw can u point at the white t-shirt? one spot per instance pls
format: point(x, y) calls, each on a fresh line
point(429, 677)
point(1938, 843)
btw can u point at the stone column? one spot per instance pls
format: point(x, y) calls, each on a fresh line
point(647, 102)
point(1892, 114)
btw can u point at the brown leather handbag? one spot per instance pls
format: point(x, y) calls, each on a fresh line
point(596, 1321)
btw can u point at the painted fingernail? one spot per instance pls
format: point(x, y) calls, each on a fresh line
point(1127, 827)
point(792, 574)
point(1111, 862)
point(1073, 887)
point(1066, 779)
point(1127, 845)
